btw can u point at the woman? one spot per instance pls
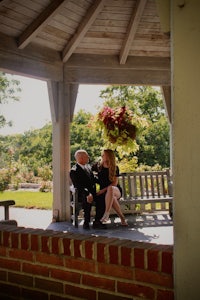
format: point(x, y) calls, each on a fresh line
point(108, 173)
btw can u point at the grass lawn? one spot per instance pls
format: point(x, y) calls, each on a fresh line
point(28, 199)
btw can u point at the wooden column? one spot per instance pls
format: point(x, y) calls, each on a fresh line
point(186, 146)
point(62, 97)
point(59, 95)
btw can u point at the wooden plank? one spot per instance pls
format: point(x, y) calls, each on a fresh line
point(107, 76)
point(38, 24)
point(45, 64)
point(131, 31)
point(107, 62)
point(83, 28)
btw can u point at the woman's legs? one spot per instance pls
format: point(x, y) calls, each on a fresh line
point(118, 210)
point(111, 200)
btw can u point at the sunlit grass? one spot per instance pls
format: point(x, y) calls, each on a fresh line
point(28, 199)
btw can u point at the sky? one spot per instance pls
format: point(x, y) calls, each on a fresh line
point(33, 109)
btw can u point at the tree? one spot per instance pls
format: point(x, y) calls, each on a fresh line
point(84, 136)
point(9, 87)
point(145, 101)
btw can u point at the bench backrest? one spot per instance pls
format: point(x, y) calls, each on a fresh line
point(147, 184)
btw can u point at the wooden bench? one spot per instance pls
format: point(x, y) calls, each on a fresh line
point(6, 204)
point(146, 191)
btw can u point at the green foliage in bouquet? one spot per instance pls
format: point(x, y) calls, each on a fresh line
point(120, 127)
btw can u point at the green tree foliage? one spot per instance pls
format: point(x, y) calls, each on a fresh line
point(83, 136)
point(32, 149)
point(9, 89)
point(147, 102)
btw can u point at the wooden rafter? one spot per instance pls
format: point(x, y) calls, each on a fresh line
point(38, 24)
point(83, 28)
point(2, 2)
point(132, 28)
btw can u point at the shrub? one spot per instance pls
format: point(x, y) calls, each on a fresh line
point(4, 179)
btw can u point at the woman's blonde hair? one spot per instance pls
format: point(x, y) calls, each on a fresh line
point(111, 163)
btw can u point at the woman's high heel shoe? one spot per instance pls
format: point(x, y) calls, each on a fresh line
point(123, 222)
point(105, 218)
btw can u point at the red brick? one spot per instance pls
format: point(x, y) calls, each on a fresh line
point(3, 275)
point(89, 249)
point(113, 296)
point(55, 297)
point(154, 278)
point(6, 238)
point(49, 285)
point(67, 245)
point(21, 254)
point(139, 257)
point(98, 282)
point(25, 241)
point(66, 275)
point(35, 269)
point(153, 259)
point(49, 259)
point(167, 262)
point(165, 295)
point(77, 248)
point(14, 240)
point(113, 254)
point(3, 251)
point(116, 271)
point(45, 244)
point(33, 294)
point(136, 290)
point(80, 265)
point(34, 242)
point(9, 290)
point(126, 256)
point(55, 245)
point(20, 279)
point(10, 264)
point(75, 291)
point(100, 252)
point(101, 249)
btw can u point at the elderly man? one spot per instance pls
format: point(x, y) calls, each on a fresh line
point(83, 179)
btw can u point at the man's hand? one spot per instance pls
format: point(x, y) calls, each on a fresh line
point(90, 198)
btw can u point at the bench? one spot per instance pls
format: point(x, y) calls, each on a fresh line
point(6, 204)
point(146, 191)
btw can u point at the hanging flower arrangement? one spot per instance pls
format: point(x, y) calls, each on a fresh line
point(119, 127)
point(117, 124)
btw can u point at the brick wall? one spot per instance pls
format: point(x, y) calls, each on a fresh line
point(43, 264)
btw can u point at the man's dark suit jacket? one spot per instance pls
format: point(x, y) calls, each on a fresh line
point(83, 181)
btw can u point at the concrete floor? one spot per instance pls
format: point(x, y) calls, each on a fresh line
point(153, 228)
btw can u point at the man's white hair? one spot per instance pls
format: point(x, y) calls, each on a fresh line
point(79, 152)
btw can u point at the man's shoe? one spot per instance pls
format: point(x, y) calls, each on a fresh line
point(86, 226)
point(99, 225)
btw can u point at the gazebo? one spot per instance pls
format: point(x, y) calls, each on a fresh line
point(135, 42)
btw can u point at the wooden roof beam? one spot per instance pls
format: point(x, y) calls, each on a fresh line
point(91, 15)
point(2, 2)
point(132, 28)
point(38, 24)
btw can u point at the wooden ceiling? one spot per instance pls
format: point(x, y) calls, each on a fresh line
point(93, 41)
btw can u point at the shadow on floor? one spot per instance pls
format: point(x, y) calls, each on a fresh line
point(154, 228)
